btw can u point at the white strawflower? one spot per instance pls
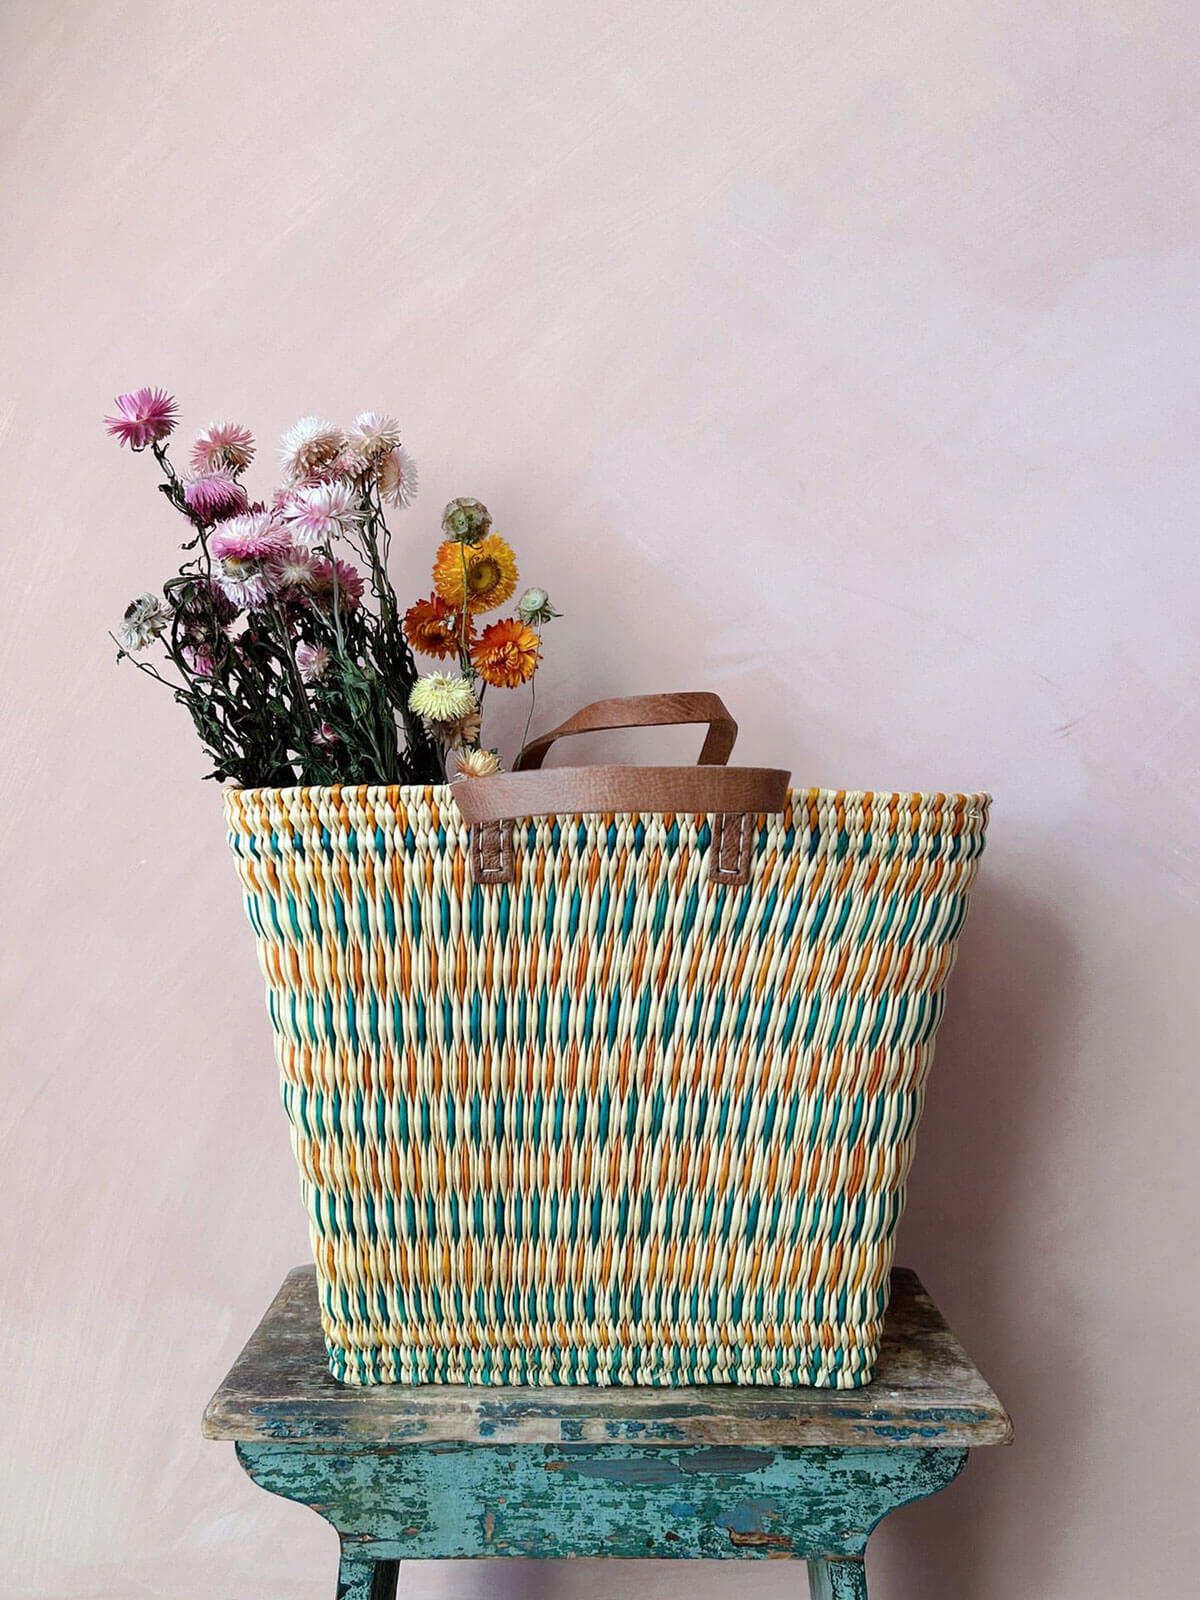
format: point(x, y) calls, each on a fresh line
point(309, 446)
point(319, 512)
point(477, 763)
point(398, 477)
point(145, 620)
point(312, 660)
point(247, 583)
point(442, 697)
point(373, 434)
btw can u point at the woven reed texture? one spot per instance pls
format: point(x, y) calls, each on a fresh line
point(611, 1123)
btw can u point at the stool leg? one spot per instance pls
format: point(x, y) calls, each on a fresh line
point(360, 1578)
point(840, 1578)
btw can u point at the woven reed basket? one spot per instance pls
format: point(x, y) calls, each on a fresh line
point(605, 1075)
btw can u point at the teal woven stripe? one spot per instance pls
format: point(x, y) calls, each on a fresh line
point(838, 1368)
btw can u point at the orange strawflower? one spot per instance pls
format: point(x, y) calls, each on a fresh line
point(506, 653)
point(433, 628)
point(489, 569)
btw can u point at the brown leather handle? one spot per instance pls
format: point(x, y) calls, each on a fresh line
point(567, 790)
point(643, 711)
point(732, 796)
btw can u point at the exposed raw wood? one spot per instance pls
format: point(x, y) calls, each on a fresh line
point(927, 1393)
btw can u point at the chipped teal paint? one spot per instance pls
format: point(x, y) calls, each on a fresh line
point(470, 1500)
point(722, 1471)
point(361, 1578)
point(837, 1580)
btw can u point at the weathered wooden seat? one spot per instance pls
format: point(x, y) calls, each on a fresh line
point(444, 1471)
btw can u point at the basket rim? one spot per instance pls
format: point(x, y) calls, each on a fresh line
point(374, 793)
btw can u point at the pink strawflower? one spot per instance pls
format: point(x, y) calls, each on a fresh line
point(349, 585)
point(205, 609)
point(288, 496)
point(200, 659)
point(398, 477)
point(146, 416)
point(256, 536)
point(325, 736)
point(313, 661)
point(350, 466)
point(224, 611)
point(215, 496)
point(309, 447)
point(223, 446)
point(294, 573)
point(317, 514)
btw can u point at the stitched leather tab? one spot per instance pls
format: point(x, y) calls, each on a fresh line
point(729, 853)
point(492, 852)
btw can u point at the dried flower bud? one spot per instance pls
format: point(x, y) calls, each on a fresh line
point(466, 521)
point(200, 659)
point(534, 607)
point(463, 731)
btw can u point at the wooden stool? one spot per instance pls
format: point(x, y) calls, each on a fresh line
point(439, 1472)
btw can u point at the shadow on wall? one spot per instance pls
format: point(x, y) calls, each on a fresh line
point(978, 1231)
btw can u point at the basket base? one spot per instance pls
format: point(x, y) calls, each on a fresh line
point(846, 1364)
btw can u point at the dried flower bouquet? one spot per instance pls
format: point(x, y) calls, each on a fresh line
point(296, 664)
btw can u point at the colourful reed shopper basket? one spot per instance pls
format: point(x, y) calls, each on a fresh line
point(605, 1075)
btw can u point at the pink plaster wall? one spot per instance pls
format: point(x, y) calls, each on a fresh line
point(844, 358)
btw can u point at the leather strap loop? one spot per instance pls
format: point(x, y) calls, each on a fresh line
point(644, 711)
